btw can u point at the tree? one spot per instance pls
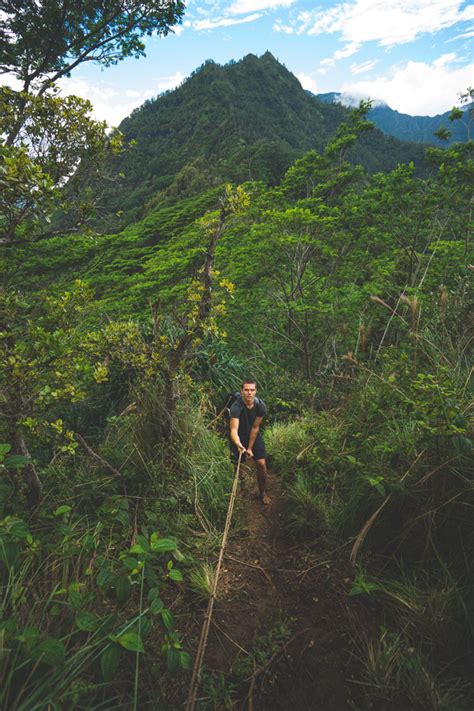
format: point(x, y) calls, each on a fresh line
point(56, 142)
point(42, 41)
point(45, 143)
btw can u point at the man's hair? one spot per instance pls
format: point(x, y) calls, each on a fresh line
point(249, 381)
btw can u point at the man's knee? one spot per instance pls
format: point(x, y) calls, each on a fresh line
point(261, 463)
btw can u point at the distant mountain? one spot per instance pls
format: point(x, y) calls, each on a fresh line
point(403, 126)
point(247, 120)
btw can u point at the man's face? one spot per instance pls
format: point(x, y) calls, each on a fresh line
point(248, 393)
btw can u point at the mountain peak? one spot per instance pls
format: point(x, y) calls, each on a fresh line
point(245, 120)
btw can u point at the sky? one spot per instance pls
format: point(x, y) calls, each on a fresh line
point(415, 55)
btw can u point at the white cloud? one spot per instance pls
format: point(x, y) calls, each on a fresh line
point(240, 7)
point(223, 22)
point(346, 51)
point(363, 66)
point(445, 59)
point(307, 82)
point(465, 35)
point(399, 22)
point(112, 105)
point(178, 29)
point(353, 99)
point(279, 27)
point(417, 88)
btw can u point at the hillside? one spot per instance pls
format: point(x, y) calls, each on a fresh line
point(247, 120)
point(343, 577)
point(420, 129)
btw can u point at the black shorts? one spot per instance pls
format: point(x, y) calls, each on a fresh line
point(258, 450)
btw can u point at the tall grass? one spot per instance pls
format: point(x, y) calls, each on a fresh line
point(81, 587)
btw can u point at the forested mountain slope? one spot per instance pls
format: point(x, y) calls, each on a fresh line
point(420, 129)
point(247, 120)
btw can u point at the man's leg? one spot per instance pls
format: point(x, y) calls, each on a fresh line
point(262, 480)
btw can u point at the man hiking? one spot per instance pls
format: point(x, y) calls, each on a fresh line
point(246, 414)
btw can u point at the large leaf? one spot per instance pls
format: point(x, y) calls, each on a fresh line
point(104, 578)
point(123, 589)
point(62, 510)
point(109, 661)
point(167, 618)
point(51, 652)
point(156, 605)
point(131, 641)
point(162, 545)
point(4, 449)
point(87, 621)
point(184, 660)
point(16, 461)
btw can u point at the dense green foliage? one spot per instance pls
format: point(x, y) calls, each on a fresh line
point(247, 120)
point(345, 290)
point(43, 41)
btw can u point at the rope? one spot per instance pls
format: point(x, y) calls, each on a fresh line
point(195, 679)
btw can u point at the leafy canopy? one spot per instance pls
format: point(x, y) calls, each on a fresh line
point(44, 40)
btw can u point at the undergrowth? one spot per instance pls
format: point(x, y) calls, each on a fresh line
point(389, 476)
point(87, 579)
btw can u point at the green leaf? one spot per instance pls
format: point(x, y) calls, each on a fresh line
point(162, 545)
point(19, 529)
point(167, 618)
point(122, 517)
point(4, 449)
point(156, 605)
point(123, 589)
point(145, 626)
point(136, 549)
point(462, 444)
point(104, 578)
point(173, 659)
point(130, 563)
point(131, 641)
point(109, 660)
point(87, 621)
point(29, 636)
point(62, 510)
point(51, 652)
point(175, 575)
point(16, 461)
point(142, 541)
point(184, 660)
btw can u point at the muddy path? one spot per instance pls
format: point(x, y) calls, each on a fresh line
point(281, 618)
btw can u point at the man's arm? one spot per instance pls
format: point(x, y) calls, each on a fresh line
point(253, 435)
point(234, 433)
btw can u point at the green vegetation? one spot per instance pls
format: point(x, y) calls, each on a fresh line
point(345, 290)
point(247, 120)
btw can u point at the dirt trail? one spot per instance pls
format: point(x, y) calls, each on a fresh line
point(267, 580)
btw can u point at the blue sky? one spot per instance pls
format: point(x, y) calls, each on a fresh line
point(416, 55)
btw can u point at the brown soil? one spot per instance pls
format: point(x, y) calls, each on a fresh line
point(267, 580)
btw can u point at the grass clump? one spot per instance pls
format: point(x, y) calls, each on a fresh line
point(201, 582)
